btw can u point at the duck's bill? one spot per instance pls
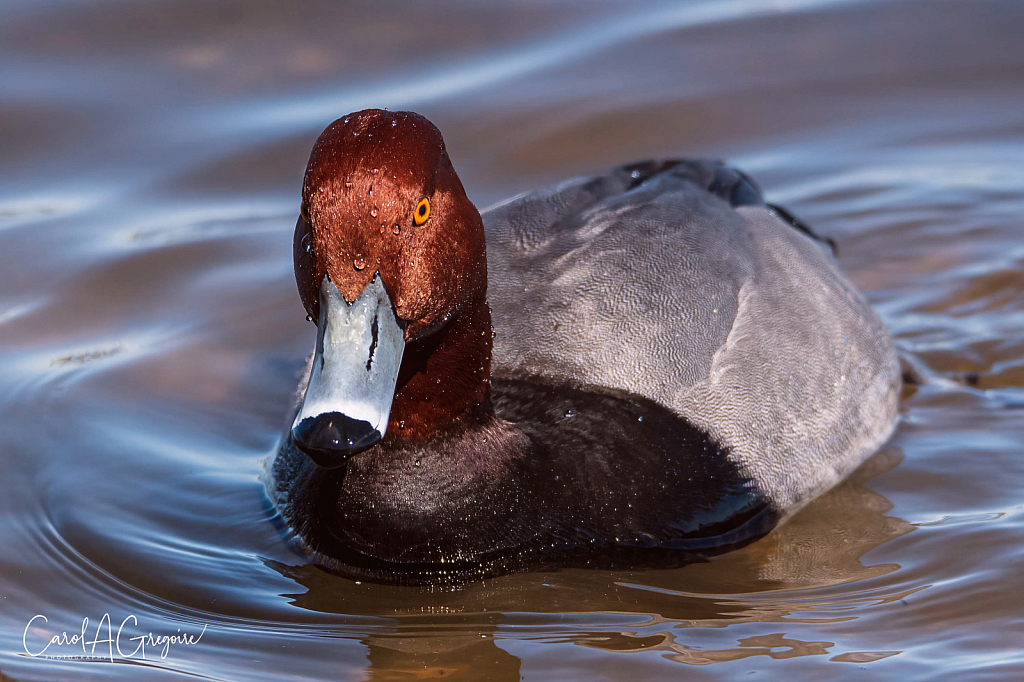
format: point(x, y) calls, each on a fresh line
point(352, 383)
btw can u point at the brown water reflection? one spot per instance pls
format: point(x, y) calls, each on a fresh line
point(150, 160)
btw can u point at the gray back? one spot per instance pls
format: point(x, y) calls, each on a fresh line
point(727, 315)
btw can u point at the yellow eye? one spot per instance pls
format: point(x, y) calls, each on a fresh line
point(304, 212)
point(422, 212)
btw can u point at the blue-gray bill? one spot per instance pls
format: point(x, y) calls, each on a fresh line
point(359, 349)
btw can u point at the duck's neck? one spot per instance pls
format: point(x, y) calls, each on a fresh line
point(445, 378)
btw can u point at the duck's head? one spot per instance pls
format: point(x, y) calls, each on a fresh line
point(388, 252)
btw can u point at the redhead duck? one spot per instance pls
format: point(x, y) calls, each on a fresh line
point(636, 368)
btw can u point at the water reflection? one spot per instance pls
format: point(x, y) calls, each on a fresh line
point(467, 654)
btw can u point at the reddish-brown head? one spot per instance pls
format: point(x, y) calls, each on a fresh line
point(380, 194)
point(409, 353)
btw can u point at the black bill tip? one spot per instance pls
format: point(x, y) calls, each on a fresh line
point(329, 439)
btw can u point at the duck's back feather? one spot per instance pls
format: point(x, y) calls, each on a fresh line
point(676, 282)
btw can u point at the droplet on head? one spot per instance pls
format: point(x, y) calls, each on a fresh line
point(397, 229)
point(373, 171)
point(370, 192)
point(401, 424)
point(347, 185)
point(373, 212)
point(570, 413)
point(359, 263)
point(399, 302)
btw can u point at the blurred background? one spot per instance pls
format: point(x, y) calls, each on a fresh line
point(151, 155)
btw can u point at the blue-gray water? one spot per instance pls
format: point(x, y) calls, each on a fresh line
point(150, 161)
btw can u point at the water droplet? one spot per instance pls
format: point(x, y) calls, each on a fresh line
point(394, 124)
point(381, 230)
point(309, 248)
point(373, 172)
point(309, 318)
point(351, 442)
point(373, 212)
point(346, 119)
point(397, 229)
point(359, 263)
point(417, 462)
point(370, 192)
point(401, 424)
point(398, 303)
point(347, 185)
point(640, 419)
point(570, 413)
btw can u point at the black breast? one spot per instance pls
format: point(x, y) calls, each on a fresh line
point(598, 478)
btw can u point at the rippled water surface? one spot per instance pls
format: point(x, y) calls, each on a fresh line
point(150, 161)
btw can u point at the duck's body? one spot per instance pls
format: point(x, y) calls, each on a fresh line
point(675, 367)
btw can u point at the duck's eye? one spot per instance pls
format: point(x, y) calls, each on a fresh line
point(304, 212)
point(422, 212)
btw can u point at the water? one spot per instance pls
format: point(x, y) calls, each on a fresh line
point(150, 162)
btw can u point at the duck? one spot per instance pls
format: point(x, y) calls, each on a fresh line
point(637, 368)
